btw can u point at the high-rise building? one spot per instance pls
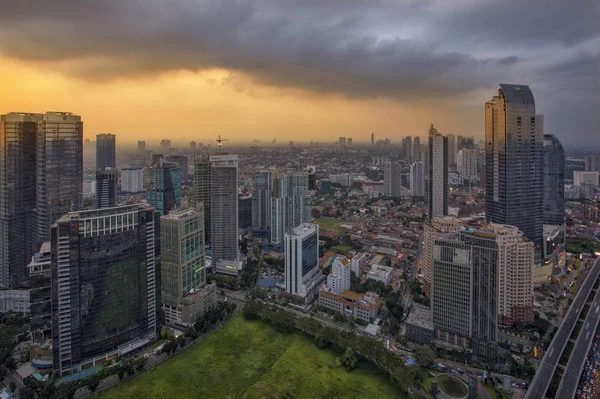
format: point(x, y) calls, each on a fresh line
point(339, 278)
point(592, 163)
point(372, 138)
point(451, 149)
point(224, 234)
point(302, 275)
point(465, 292)
point(261, 203)
point(166, 193)
point(59, 169)
point(438, 174)
point(466, 163)
point(182, 161)
point(312, 177)
point(465, 142)
point(290, 204)
point(416, 152)
point(165, 146)
point(105, 151)
point(193, 145)
point(201, 193)
point(106, 278)
point(554, 181)
point(132, 180)
point(581, 177)
point(392, 179)
point(106, 188)
point(349, 141)
point(408, 154)
point(141, 146)
point(417, 179)
point(244, 212)
point(18, 137)
point(432, 229)
point(514, 175)
point(185, 295)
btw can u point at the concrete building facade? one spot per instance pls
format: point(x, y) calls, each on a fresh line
point(302, 275)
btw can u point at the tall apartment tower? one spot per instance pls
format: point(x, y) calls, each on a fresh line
point(59, 169)
point(141, 146)
point(341, 273)
point(416, 152)
point(372, 138)
point(165, 146)
point(166, 193)
point(408, 154)
point(451, 149)
point(18, 137)
point(105, 151)
point(392, 179)
point(466, 291)
point(201, 193)
point(466, 163)
point(224, 234)
point(514, 176)
point(261, 203)
point(417, 179)
point(106, 188)
point(132, 180)
point(106, 284)
point(185, 294)
point(554, 181)
point(438, 174)
point(302, 274)
point(290, 204)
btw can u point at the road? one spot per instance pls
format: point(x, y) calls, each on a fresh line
point(570, 379)
point(547, 367)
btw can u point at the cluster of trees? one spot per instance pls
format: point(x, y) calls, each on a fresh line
point(228, 282)
point(417, 292)
point(250, 273)
point(325, 336)
point(212, 317)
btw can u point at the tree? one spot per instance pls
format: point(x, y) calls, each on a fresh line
point(93, 383)
point(348, 360)
point(13, 386)
point(121, 372)
point(424, 355)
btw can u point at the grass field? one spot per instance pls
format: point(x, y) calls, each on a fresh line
point(247, 359)
point(330, 224)
point(341, 249)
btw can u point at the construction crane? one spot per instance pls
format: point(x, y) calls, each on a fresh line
point(220, 142)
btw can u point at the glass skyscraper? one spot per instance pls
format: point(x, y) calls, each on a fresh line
point(554, 181)
point(261, 203)
point(106, 188)
point(290, 204)
point(514, 176)
point(105, 284)
point(438, 174)
point(105, 151)
point(166, 193)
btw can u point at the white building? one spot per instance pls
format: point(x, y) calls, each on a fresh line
point(89, 189)
point(417, 179)
point(339, 278)
point(582, 177)
point(132, 180)
point(380, 273)
point(359, 263)
point(343, 179)
point(466, 163)
point(302, 275)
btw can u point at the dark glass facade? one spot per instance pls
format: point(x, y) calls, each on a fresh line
point(310, 252)
point(202, 190)
point(166, 194)
point(554, 181)
point(245, 211)
point(105, 151)
point(438, 174)
point(106, 189)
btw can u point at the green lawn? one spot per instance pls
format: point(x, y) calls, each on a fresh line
point(250, 359)
point(341, 249)
point(330, 224)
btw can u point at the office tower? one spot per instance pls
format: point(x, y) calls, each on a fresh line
point(105, 151)
point(59, 169)
point(39, 277)
point(466, 163)
point(416, 152)
point(312, 177)
point(408, 153)
point(245, 211)
point(514, 176)
point(465, 291)
point(302, 275)
point(165, 146)
point(182, 161)
point(193, 145)
point(554, 181)
point(342, 141)
point(432, 229)
point(106, 278)
point(392, 179)
point(18, 136)
point(106, 188)
point(132, 180)
point(349, 141)
point(157, 159)
point(201, 193)
point(438, 174)
point(417, 179)
point(372, 138)
point(185, 295)
point(290, 204)
point(166, 193)
point(141, 146)
point(224, 234)
point(451, 149)
point(261, 203)
point(592, 163)
point(339, 278)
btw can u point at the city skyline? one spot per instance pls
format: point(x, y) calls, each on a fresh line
point(255, 71)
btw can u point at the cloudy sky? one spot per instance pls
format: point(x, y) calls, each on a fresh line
point(299, 69)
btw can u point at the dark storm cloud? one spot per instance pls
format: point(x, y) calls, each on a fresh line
point(397, 49)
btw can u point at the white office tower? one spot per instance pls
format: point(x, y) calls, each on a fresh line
point(132, 180)
point(224, 213)
point(392, 179)
point(417, 179)
point(302, 275)
point(339, 278)
point(466, 163)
